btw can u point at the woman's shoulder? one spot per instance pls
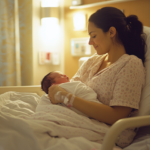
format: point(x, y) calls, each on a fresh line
point(131, 59)
point(134, 60)
point(129, 64)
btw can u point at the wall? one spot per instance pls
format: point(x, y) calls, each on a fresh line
point(39, 71)
point(137, 7)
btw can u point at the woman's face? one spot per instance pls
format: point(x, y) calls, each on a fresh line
point(100, 40)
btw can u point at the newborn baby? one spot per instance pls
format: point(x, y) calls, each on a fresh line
point(76, 88)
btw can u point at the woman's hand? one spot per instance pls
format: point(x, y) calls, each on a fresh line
point(53, 90)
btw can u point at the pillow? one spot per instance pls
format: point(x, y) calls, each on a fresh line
point(145, 97)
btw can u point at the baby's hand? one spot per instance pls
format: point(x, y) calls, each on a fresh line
point(53, 90)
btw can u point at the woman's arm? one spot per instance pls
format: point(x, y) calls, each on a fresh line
point(101, 112)
point(94, 110)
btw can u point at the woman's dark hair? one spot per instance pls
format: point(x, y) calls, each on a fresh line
point(129, 29)
point(46, 83)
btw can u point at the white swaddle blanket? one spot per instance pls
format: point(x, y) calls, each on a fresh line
point(78, 89)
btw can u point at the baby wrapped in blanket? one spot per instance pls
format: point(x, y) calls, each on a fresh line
point(76, 88)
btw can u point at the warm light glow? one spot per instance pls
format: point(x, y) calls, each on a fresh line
point(79, 21)
point(74, 2)
point(49, 3)
point(49, 22)
point(50, 31)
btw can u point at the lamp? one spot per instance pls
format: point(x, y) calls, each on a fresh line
point(49, 20)
point(49, 9)
point(76, 2)
point(49, 3)
point(50, 30)
point(48, 12)
point(79, 21)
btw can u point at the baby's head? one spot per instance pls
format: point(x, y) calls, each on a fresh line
point(53, 78)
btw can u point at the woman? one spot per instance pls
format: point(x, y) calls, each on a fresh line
point(116, 72)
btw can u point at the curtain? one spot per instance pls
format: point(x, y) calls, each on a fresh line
point(16, 42)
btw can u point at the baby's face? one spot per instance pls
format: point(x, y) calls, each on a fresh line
point(59, 78)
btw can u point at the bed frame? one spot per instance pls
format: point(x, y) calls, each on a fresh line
point(115, 129)
point(32, 89)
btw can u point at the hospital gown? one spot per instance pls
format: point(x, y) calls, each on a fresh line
point(120, 84)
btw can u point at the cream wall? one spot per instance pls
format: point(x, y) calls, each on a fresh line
point(138, 7)
point(39, 71)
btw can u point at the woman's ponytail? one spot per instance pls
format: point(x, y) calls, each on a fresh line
point(134, 25)
point(135, 44)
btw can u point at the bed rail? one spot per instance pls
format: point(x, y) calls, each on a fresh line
point(121, 125)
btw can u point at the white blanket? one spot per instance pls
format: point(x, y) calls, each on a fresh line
point(56, 128)
point(76, 88)
point(81, 90)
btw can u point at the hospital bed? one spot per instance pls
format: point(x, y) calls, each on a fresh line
point(142, 119)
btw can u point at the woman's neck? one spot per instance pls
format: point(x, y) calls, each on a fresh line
point(115, 53)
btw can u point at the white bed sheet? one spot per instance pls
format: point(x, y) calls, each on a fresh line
point(21, 128)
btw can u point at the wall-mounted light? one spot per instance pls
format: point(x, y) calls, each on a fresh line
point(79, 21)
point(50, 12)
point(49, 3)
point(49, 21)
point(50, 29)
point(76, 2)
